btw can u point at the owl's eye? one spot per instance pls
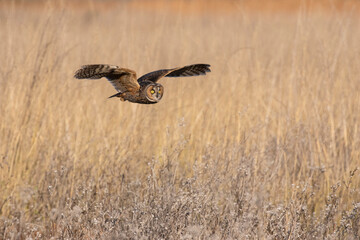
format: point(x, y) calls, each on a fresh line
point(152, 91)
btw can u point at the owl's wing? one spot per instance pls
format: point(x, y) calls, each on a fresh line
point(122, 79)
point(187, 71)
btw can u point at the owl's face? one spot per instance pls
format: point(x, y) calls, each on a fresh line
point(154, 92)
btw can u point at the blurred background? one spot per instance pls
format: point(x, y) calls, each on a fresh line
point(265, 146)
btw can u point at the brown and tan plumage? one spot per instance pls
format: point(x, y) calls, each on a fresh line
point(144, 90)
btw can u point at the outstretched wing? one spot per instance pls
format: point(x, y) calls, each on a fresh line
point(187, 71)
point(122, 79)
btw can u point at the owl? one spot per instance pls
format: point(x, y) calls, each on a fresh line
point(144, 90)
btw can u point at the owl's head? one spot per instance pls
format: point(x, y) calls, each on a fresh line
point(154, 92)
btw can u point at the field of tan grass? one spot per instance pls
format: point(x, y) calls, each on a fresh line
point(266, 146)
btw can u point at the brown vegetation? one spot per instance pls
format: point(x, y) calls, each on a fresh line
point(266, 146)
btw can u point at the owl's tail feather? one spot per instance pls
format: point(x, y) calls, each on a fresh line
point(116, 95)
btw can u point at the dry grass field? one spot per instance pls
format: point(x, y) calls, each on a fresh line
point(266, 146)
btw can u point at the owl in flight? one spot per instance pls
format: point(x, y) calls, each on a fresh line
point(144, 90)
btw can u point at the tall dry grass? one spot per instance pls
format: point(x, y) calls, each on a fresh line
point(265, 146)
